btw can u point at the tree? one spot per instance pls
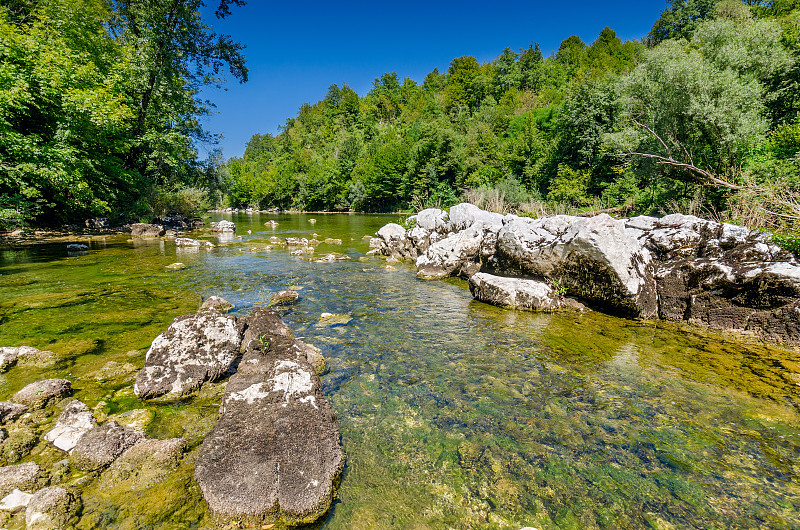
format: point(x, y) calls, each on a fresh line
point(680, 19)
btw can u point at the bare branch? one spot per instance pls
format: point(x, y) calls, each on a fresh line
point(707, 178)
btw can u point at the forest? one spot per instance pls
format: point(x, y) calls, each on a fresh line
point(701, 117)
point(99, 116)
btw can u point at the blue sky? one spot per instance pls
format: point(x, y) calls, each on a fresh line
point(296, 50)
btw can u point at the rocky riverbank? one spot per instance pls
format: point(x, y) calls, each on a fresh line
point(274, 457)
point(677, 267)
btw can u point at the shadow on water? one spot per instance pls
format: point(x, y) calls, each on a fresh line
point(453, 414)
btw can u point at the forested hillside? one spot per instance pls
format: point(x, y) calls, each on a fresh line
point(700, 117)
point(99, 108)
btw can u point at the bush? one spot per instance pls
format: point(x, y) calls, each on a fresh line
point(189, 202)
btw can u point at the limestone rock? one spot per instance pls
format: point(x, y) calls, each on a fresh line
point(40, 394)
point(74, 422)
point(217, 303)
point(223, 226)
point(146, 230)
point(15, 500)
point(189, 242)
point(285, 297)
point(51, 508)
point(26, 477)
point(176, 266)
point(518, 293)
point(103, 444)
point(11, 411)
point(146, 463)
point(275, 452)
point(8, 358)
point(194, 349)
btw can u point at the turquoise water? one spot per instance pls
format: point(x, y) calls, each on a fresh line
point(453, 413)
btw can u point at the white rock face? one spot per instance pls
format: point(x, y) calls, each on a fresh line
point(516, 293)
point(194, 349)
point(15, 499)
point(74, 422)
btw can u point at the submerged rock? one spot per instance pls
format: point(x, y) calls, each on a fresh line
point(194, 349)
point(51, 508)
point(275, 451)
point(74, 422)
point(188, 242)
point(146, 463)
point(40, 394)
point(146, 230)
point(518, 293)
point(176, 266)
point(102, 445)
point(26, 356)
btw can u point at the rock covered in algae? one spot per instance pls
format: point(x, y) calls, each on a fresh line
point(194, 349)
point(275, 452)
point(146, 463)
point(11, 411)
point(102, 445)
point(40, 394)
point(26, 477)
point(285, 297)
point(15, 500)
point(75, 421)
point(217, 303)
point(51, 508)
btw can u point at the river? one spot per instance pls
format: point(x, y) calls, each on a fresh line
point(453, 413)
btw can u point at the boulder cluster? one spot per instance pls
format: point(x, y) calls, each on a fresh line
point(677, 267)
point(275, 452)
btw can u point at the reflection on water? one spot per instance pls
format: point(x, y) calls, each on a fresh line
point(454, 414)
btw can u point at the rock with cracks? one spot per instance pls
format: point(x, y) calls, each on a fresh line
point(519, 293)
point(103, 444)
point(74, 422)
point(275, 453)
point(194, 349)
point(52, 508)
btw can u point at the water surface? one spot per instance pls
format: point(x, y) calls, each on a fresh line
point(453, 413)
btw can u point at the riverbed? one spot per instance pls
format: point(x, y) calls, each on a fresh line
point(453, 413)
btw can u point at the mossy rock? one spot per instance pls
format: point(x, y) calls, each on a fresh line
point(21, 439)
point(52, 508)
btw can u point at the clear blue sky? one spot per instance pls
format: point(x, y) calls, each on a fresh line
point(297, 49)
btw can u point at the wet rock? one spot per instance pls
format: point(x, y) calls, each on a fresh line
point(21, 438)
point(15, 500)
point(194, 349)
point(27, 356)
point(333, 241)
point(40, 394)
point(223, 226)
point(333, 319)
point(518, 293)
point(275, 451)
point(102, 445)
point(285, 297)
point(26, 477)
point(52, 508)
point(176, 266)
point(216, 303)
point(146, 230)
point(11, 411)
point(188, 242)
point(137, 419)
point(146, 463)
point(75, 421)
point(114, 370)
point(77, 247)
point(331, 257)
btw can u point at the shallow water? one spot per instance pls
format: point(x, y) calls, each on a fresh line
point(453, 413)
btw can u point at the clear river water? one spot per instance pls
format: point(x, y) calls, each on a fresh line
point(453, 413)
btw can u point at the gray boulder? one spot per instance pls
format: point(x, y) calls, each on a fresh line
point(223, 226)
point(518, 293)
point(593, 258)
point(8, 358)
point(275, 453)
point(393, 241)
point(146, 463)
point(146, 230)
point(285, 297)
point(460, 253)
point(75, 421)
point(40, 394)
point(11, 411)
point(102, 445)
point(194, 349)
point(52, 508)
point(216, 303)
point(26, 477)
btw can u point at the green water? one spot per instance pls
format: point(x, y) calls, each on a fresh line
point(453, 413)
